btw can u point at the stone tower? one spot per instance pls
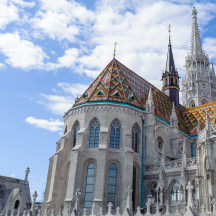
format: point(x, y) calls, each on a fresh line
point(198, 86)
point(170, 77)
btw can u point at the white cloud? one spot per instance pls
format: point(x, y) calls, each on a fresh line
point(73, 89)
point(59, 104)
point(24, 3)
point(68, 60)
point(210, 45)
point(50, 125)
point(8, 13)
point(61, 19)
point(21, 53)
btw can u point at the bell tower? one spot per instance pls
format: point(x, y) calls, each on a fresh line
point(198, 86)
point(170, 77)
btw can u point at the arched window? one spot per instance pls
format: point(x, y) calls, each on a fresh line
point(134, 189)
point(135, 132)
point(75, 130)
point(176, 192)
point(16, 206)
point(153, 190)
point(94, 134)
point(112, 181)
point(89, 185)
point(160, 143)
point(115, 135)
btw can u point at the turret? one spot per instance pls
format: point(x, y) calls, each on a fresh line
point(170, 77)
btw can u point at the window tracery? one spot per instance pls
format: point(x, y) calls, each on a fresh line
point(115, 135)
point(89, 185)
point(94, 134)
point(112, 182)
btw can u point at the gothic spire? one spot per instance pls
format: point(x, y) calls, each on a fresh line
point(196, 47)
point(170, 65)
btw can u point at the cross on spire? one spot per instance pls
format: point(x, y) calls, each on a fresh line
point(114, 53)
point(169, 30)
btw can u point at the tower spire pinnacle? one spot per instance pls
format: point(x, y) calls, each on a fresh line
point(114, 52)
point(170, 65)
point(169, 31)
point(196, 47)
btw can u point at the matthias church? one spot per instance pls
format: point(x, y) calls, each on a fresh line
point(126, 142)
point(130, 148)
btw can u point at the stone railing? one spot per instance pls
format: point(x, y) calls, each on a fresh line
point(172, 165)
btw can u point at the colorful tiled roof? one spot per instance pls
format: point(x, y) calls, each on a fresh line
point(110, 85)
point(198, 113)
point(120, 84)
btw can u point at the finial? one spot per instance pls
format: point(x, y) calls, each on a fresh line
point(194, 12)
point(27, 171)
point(169, 30)
point(114, 53)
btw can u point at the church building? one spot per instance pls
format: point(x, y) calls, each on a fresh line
point(126, 141)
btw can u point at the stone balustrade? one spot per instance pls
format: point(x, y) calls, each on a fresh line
point(172, 165)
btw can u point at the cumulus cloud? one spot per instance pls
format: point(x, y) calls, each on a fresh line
point(52, 125)
point(68, 60)
point(59, 104)
point(210, 44)
point(21, 53)
point(61, 19)
point(8, 13)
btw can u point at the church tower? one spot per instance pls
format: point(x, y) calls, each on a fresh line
point(198, 86)
point(170, 77)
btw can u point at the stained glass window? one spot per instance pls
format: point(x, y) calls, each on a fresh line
point(115, 135)
point(94, 134)
point(111, 189)
point(89, 186)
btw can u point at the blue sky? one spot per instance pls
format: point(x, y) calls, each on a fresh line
point(51, 50)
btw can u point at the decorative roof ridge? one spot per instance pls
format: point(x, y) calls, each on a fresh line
point(196, 107)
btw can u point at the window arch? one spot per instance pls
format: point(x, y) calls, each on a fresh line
point(135, 137)
point(192, 104)
point(115, 134)
point(89, 185)
point(204, 102)
point(94, 134)
point(160, 143)
point(176, 192)
point(76, 128)
point(112, 183)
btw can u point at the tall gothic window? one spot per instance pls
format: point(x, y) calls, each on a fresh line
point(89, 185)
point(176, 192)
point(115, 135)
point(135, 138)
point(134, 189)
point(75, 130)
point(94, 134)
point(112, 181)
